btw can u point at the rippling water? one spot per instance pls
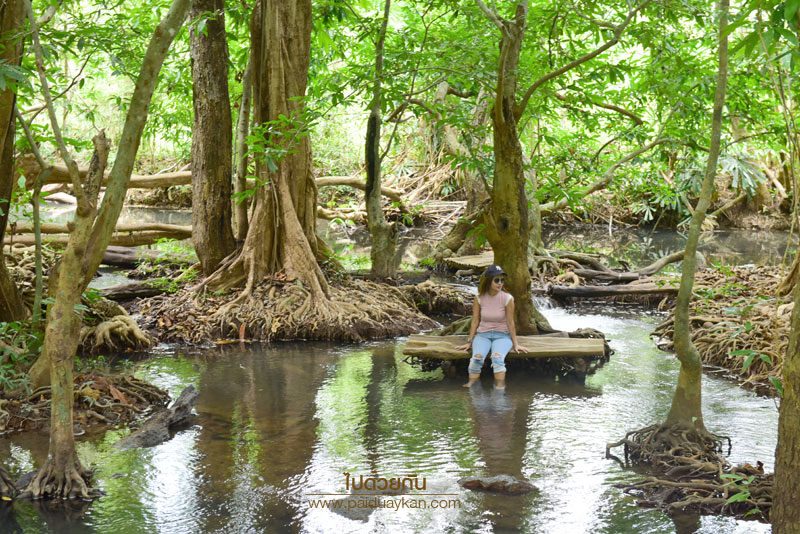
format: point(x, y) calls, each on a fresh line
point(282, 422)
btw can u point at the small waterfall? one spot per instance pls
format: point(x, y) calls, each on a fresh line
point(543, 303)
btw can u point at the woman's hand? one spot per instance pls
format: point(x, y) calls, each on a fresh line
point(520, 348)
point(465, 347)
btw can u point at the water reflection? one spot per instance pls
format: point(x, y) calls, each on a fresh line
point(279, 423)
point(639, 246)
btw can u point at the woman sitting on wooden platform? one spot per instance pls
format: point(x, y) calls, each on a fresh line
point(492, 329)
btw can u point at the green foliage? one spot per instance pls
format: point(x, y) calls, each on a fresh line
point(350, 260)
point(749, 356)
point(740, 484)
point(19, 346)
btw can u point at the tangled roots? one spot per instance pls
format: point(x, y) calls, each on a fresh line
point(118, 333)
point(104, 399)
point(283, 310)
point(692, 473)
point(733, 328)
point(70, 482)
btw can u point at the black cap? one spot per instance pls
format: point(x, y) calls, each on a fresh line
point(493, 270)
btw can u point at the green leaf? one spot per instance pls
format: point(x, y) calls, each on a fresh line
point(21, 182)
point(738, 497)
point(777, 384)
point(790, 9)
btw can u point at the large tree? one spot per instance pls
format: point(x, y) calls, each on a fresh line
point(507, 218)
point(11, 16)
point(281, 234)
point(212, 234)
point(62, 475)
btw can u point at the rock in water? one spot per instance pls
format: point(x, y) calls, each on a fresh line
point(504, 484)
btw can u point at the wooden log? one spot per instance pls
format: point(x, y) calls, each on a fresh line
point(131, 239)
point(60, 175)
point(51, 228)
point(606, 276)
point(127, 257)
point(155, 429)
point(133, 290)
point(357, 183)
point(610, 291)
point(444, 347)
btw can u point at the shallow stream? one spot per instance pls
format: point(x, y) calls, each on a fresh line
point(279, 423)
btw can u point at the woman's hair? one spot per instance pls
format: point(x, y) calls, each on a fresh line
point(484, 284)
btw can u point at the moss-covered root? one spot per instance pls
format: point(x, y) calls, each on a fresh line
point(118, 333)
point(70, 481)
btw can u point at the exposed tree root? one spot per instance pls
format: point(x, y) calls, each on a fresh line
point(104, 399)
point(70, 482)
point(7, 487)
point(118, 333)
point(692, 474)
point(430, 297)
point(282, 309)
point(734, 327)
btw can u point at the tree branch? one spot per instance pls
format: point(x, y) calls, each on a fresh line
point(583, 59)
point(83, 203)
point(491, 15)
point(603, 182)
point(36, 109)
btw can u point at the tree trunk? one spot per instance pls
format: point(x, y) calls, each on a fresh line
point(62, 475)
point(11, 14)
point(109, 211)
point(382, 234)
point(242, 129)
point(785, 514)
point(507, 225)
point(212, 234)
point(686, 403)
point(281, 234)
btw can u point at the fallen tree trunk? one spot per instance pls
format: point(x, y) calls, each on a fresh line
point(357, 183)
point(131, 239)
point(156, 429)
point(133, 290)
point(610, 291)
point(127, 257)
point(60, 175)
point(50, 228)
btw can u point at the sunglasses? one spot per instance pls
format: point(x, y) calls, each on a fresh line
point(499, 280)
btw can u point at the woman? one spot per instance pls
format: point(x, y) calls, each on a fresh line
point(492, 329)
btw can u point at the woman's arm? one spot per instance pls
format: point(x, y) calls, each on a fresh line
point(512, 327)
point(473, 327)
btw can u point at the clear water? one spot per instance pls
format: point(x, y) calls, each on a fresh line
point(277, 423)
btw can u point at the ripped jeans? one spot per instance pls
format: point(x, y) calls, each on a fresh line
point(494, 342)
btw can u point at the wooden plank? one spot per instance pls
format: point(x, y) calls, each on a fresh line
point(477, 261)
point(444, 347)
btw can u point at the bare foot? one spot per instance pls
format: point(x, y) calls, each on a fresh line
point(468, 385)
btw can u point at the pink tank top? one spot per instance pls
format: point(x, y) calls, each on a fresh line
point(493, 312)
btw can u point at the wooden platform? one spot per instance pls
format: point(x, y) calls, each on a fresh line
point(444, 347)
point(478, 261)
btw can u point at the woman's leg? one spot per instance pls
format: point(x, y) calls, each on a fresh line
point(480, 348)
point(499, 349)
